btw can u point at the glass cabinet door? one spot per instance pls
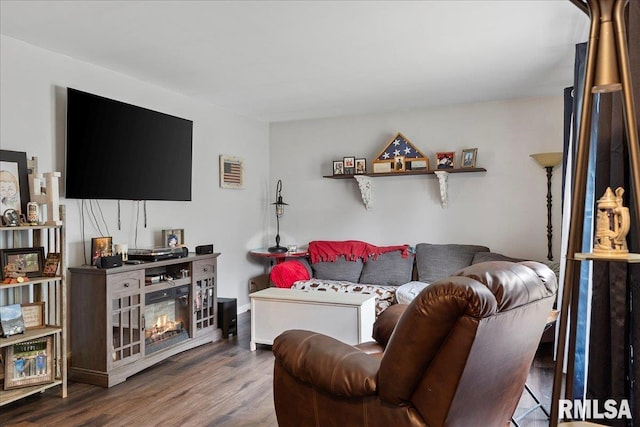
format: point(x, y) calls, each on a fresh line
point(204, 296)
point(127, 328)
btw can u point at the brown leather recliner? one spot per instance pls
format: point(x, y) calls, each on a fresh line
point(458, 356)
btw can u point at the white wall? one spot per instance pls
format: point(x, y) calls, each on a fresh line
point(33, 86)
point(504, 208)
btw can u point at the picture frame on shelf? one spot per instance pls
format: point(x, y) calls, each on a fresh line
point(399, 146)
point(22, 262)
point(29, 363)
point(231, 172)
point(399, 164)
point(11, 217)
point(468, 158)
point(51, 264)
point(101, 246)
point(33, 315)
point(173, 238)
point(14, 177)
point(349, 165)
point(11, 321)
point(361, 166)
point(338, 167)
point(445, 160)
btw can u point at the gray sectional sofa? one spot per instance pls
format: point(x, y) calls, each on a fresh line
point(392, 277)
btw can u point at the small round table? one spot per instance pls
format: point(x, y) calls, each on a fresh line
point(277, 257)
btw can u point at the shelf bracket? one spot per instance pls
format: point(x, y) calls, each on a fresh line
point(443, 177)
point(364, 183)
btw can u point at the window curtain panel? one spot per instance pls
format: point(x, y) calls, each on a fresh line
point(614, 335)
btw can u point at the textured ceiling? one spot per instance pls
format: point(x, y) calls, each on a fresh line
point(289, 60)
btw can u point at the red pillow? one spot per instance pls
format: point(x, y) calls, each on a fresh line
point(283, 275)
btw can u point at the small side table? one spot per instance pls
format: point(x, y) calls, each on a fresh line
point(228, 316)
point(277, 257)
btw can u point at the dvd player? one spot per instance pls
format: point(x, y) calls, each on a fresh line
point(157, 254)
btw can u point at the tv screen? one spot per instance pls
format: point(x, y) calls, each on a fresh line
point(123, 152)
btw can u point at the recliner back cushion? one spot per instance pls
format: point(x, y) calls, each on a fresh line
point(435, 262)
point(389, 269)
point(341, 269)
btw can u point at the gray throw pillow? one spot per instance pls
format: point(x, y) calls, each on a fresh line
point(389, 269)
point(341, 269)
point(435, 262)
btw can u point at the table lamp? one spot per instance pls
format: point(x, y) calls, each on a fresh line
point(279, 204)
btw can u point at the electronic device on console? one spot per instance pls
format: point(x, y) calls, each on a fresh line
point(158, 254)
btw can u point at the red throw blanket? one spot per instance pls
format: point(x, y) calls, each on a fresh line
point(328, 251)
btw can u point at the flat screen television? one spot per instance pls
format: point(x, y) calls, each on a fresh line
point(120, 151)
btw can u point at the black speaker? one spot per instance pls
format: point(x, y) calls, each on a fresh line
point(204, 249)
point(109, 261)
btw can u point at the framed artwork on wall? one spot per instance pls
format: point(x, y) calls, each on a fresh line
point(231, 172)
point(14, 181)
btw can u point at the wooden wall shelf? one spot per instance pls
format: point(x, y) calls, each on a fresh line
point(364, 181)
point(429, 172)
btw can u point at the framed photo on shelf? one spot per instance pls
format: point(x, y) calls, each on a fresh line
point(361, 166)
point(33, 315)
point(11, 321)
point(173, 238)
point(100, 246)
point(21, 262)
point(445, 160)
point(399, 164)
point(338, 167)
point(51, 264)
point(468, 159)
point(349, 164)
point(14, 179)
point(29, 363)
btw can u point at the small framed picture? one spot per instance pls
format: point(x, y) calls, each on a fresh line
point(51, 264)
point(338, 167)
point(361, 166)
point(399, 164)
point(469, 158)
point(349, 165)
point(33, 315)
point(445, 160)
point(11, 321)
point(231, 172)
point(29, 363)
point(22, 262)
point(100, 246)
point(173, 238)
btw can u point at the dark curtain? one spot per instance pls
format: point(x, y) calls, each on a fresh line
point(615, 315)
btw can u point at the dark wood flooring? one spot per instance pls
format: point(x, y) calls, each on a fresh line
point(218, 384)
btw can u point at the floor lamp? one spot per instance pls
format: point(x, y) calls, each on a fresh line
point(548, 161)
point(607, 70)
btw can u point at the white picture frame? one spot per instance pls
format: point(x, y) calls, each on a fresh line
point(231, 172)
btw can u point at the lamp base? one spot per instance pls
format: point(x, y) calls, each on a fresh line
point(277, 249)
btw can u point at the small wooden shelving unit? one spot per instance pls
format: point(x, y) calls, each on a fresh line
point(52, 291)
point(364, 182)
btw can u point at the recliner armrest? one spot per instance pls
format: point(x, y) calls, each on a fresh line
point(326, 363)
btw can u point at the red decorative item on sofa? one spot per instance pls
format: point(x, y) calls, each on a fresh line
point(329, 251)
point(285, 274)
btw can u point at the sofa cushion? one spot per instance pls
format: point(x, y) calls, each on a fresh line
point(407, 292)
point(389, 269)
point(283, 275)
point(492, 256)
point(435, 262)
point(341, 269)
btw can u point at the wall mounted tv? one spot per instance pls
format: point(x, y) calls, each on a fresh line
point(120, 151)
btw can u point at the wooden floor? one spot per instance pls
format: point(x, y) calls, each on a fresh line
point(218, 384)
